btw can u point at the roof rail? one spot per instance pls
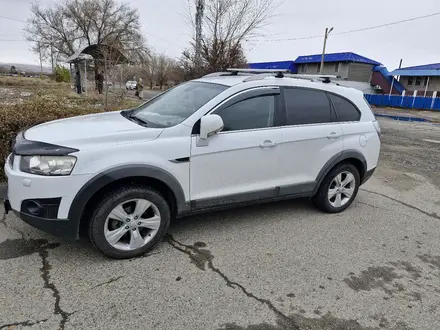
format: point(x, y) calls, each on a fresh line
point(279, 73)
point(326, 79)
point(258, 74)
point(217, 74)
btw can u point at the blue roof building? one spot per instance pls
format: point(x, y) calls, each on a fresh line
point(336, 57)
point(282, 65)
point(348, 65)
point(425, 79)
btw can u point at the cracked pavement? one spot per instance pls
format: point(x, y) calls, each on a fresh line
point(268, 267)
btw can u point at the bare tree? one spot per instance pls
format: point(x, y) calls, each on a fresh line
point(70, 25)
point(150, 69)
point(165, 66)
point(226, 26)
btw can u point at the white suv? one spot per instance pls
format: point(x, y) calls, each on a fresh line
point(220, 141)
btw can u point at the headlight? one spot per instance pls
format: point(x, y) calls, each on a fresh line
point(47, 165)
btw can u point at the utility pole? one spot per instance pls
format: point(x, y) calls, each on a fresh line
point(51, 56)
point(327, 33)
point(41, 59)
point(200, 7)
point(398, 79)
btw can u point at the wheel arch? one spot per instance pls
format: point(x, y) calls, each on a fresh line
point(93, 190)
point(350, 156)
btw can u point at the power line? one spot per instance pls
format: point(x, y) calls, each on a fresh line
point(355, 30)
point(12, 19)
point(15, 40)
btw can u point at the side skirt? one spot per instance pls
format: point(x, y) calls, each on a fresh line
point(251, 198)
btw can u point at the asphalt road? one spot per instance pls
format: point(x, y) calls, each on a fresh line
point(278, 266)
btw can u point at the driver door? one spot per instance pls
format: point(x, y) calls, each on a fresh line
point(240, 163)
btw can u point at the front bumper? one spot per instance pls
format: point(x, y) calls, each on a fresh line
point(54, 194)
point(64, 228)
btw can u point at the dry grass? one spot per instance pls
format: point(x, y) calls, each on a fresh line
point(26, 102)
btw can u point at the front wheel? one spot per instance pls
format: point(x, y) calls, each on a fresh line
point(339, 189)
point(129, 222)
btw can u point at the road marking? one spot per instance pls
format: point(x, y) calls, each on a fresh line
point(432, 141)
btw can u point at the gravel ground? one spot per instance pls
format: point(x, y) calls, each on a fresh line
point(278, 266)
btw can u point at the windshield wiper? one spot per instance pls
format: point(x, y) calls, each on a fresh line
point(130, 116)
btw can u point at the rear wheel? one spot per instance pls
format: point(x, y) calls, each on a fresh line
point(339, 189)
point(129, 222)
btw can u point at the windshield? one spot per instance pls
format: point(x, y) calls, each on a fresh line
point(177, 104)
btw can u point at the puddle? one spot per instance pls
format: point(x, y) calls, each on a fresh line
point(15, 248)
point(404, 118)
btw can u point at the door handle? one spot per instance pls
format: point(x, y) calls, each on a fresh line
point(267, 144)
point(333, 135)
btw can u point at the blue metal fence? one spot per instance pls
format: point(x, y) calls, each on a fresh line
point(408, 102)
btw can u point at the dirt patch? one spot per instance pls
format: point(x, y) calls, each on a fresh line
point(434, 261)
point(372, 278)
point(326, 322)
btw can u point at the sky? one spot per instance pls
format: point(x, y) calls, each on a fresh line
point(164, 25)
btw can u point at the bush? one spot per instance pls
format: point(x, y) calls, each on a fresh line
point(62, 74)
point(38, 110)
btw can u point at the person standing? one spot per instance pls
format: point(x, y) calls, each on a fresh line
point(140, 88)
point(78, 82)
point(100, 79)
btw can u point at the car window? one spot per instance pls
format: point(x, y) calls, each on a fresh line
point(345, 110)
point(177, 104)
point(306, 106)
point(256, 112)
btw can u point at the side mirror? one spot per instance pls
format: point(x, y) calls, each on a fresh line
point(210, 125)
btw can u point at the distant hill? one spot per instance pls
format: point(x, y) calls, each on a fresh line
point(28, 68)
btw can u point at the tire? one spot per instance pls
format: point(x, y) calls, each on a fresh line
point(108, 218)
point(333, 204)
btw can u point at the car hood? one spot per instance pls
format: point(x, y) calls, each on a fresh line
point(89, 131)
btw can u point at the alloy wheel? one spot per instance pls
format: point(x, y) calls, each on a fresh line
point(132, 224)
point(341, 189)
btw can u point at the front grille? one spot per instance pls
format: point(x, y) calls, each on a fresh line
point(11, 160)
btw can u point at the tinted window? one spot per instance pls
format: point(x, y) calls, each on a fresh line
point(257, 112)
point(306, 106)
point(177, 104)
point(344, 109)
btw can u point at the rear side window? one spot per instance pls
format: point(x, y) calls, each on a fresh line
point(345, 110)
point(306, 106)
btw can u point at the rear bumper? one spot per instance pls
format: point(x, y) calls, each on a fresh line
point(64, 228)
point(368, 175)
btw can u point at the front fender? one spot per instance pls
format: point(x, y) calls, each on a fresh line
point(99, 181)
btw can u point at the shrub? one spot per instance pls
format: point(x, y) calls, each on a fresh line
point(62, 74)
point(38, 110)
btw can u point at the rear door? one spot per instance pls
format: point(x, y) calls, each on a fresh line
point(311, 137)
point(357, 135)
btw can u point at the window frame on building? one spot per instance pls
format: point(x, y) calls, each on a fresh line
point(425, 81)
point(418, 81)
point(410, 81)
